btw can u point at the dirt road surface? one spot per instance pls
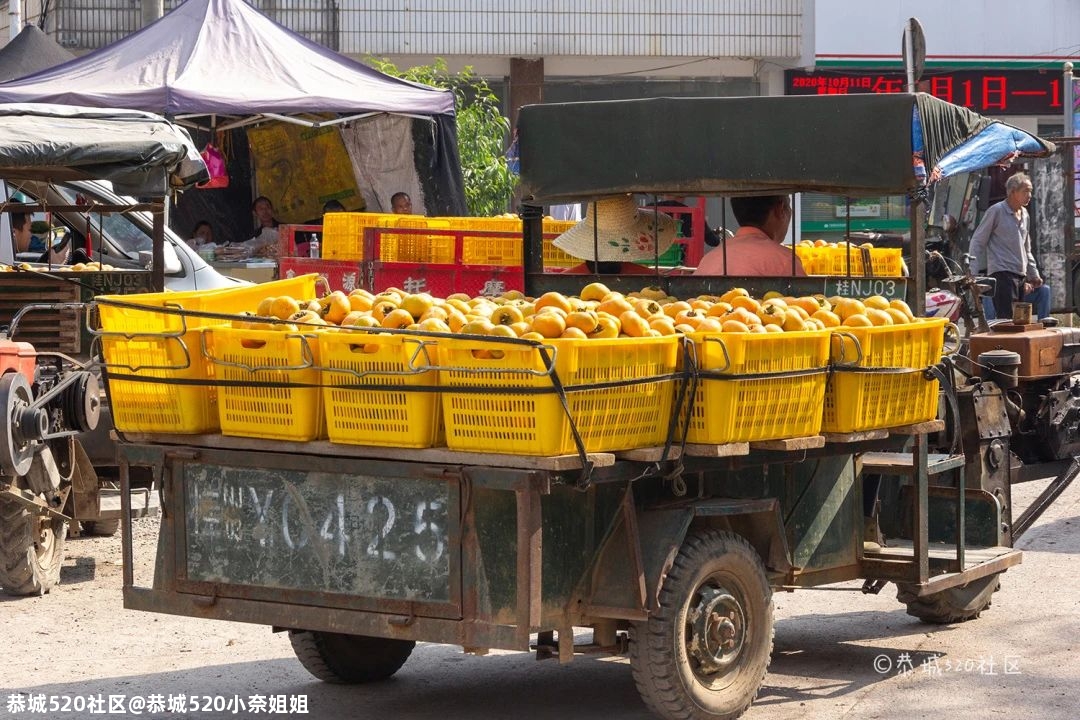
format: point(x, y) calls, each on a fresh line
point(839, 654)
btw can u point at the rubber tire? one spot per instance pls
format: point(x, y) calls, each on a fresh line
point(955, 605)
point(101, 528)
point(349, 659)
point(658, 655)
point(27, 567)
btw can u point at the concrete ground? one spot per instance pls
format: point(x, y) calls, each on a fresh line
point(838, 654)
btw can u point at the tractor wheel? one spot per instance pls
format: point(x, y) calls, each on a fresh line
point(954, 605)
point(31, 550)
point(349, 659)
point(704, 654)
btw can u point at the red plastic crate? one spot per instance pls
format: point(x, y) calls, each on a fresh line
point(489, 280)
point(437, 280)
point(339, 274)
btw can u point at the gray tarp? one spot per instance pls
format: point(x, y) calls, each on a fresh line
point(30, 51)
point(140, 153)
point(845, 144)
point(224, 57)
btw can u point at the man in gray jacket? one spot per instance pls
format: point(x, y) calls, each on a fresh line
point(1004, 239)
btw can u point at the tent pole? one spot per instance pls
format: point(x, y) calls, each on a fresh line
point(157, 263)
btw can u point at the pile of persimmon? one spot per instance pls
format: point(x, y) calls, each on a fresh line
point(597, 312)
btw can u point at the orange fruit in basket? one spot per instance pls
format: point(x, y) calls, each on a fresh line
point(633, 324)
point(507, 315)
point(689, 317)
point(399, 318)
point(879, 317)
point(306, 317)
point(614, 304)
point(574, 334)
point(827, 318)
point(455, 320)
point(774, 328)
point(709, 324)
point(585, 320)
point(703, 305)
point(664, 324)
point(674, 308)
point(745, 302)
point(877, 302)
point(793, 320)
point(607, 326)
point(898, 316)
point(734, 293)
point(439, 313)
point(360, 302)
point(284, 307)
point(520, 328)
point(502, 331)
point(533, 336)
point(417, 304)
point(553, 299)
point(391, 296)
point(513, 295)
point(647, 308)
point(902, 307)
point(734, 326)
point(549, 324)
point(381, 309)
point(459, 305)
point(808, 304)
point(719, 309)
point(266, 307)
point(846, 307)
point(358, 318)
point(653, 292)
point(773, 313)
point(335, 306)
point(477, 327)
point(857, 320)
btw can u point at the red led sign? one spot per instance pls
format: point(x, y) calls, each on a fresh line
point(990, 92)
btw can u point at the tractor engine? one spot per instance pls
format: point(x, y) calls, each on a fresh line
point(1038, 371)
point(46, 402)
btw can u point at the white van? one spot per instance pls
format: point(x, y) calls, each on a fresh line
point(123, 240)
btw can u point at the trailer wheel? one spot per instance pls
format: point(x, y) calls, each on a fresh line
point(349, 659)
point(31, 550)
point(954, 605)
point(703, 655)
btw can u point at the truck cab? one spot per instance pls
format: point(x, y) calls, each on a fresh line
point(123, 240)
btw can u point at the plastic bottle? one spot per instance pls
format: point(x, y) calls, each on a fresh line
point(313, 246)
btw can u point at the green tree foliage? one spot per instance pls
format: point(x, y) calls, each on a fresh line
point(482, 132)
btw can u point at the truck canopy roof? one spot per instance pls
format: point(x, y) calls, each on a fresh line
point(140, 153)
point(843, 144)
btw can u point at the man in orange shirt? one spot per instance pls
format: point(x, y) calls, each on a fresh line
point(757, 247)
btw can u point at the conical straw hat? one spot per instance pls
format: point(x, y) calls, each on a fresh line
point(624, 232)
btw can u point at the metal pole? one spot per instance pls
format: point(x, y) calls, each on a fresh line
point(1068, 99)
point(157, 263)
point(917, 217)
point(909, 47)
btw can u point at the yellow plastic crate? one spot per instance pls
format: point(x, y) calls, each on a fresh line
point(292, 411)
point(343, 234)
point(857, 401)
point(884, 262)
point(434, 248)
point(147, 343)
point(504, 249)
point(609, 419)
point(767, 408)
point(553, 256)
point(380, 416)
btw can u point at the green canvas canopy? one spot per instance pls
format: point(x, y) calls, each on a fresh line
point(842, 144)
